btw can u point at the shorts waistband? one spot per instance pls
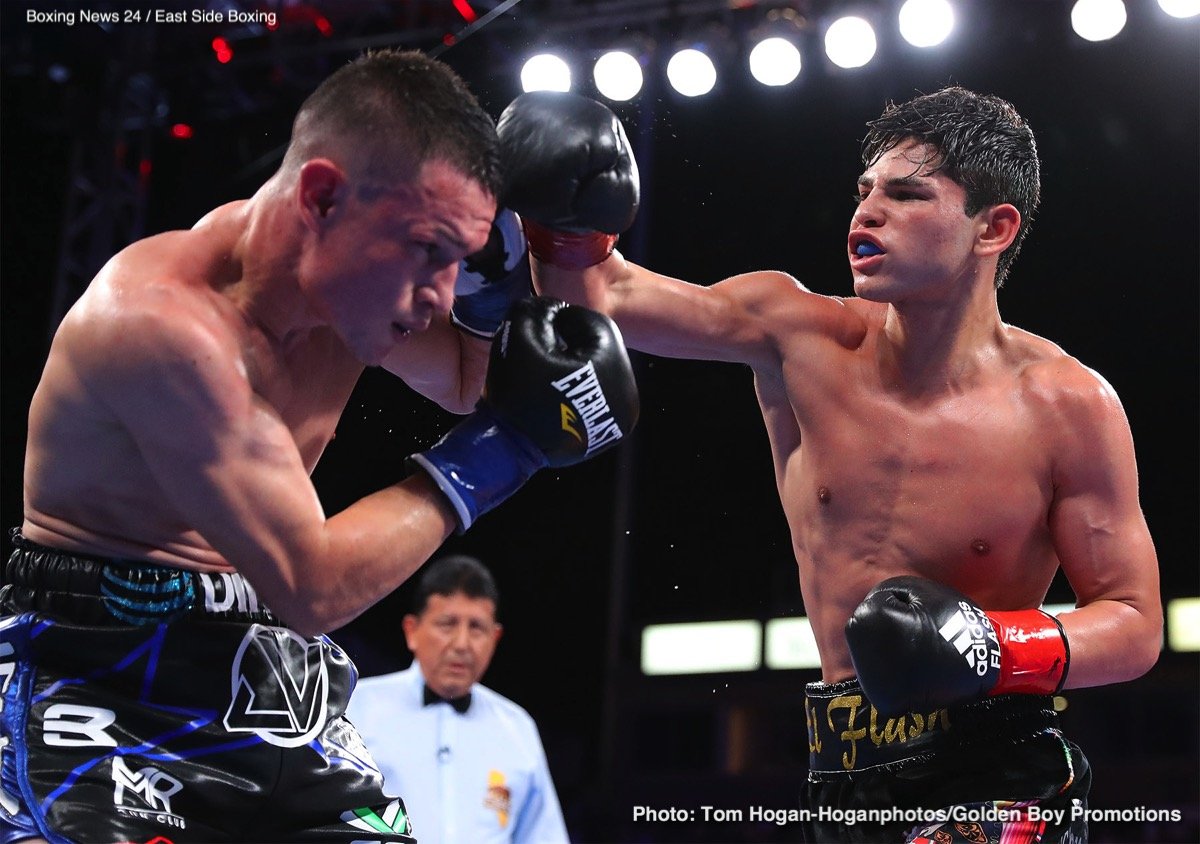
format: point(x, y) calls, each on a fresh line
point(116, 591)
point(847, 735)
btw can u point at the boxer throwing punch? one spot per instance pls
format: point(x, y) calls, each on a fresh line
point(187, 396)
point(951, 463)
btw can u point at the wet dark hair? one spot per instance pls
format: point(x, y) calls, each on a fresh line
point(399, 108)
point(450, 575)
point(982, 143)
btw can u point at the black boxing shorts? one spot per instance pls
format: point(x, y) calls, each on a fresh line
point(145, 703)
point(990, 771)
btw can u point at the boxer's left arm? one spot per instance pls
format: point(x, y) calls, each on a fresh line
point(1101, 536)
point(570, 172)
point(443, 364)
point(917, 644)
point(447, 363)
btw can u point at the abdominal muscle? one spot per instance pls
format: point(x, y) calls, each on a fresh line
point(879, 490)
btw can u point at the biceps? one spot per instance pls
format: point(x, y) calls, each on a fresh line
point(242, 485)
point(1105, 549)
point(1099, 532)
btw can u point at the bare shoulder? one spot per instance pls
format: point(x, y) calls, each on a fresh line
point(145, 316)
point(1057, 384)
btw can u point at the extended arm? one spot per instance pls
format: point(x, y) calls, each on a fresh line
point(571, 174)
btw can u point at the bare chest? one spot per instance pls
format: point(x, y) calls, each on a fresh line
point(956, 489)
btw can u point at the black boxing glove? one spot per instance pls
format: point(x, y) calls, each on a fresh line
point(559, 390)
point(570, 174)
point(918, 645)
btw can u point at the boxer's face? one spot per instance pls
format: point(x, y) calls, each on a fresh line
point(453, 640)
point(386, 267)
point(918, 241)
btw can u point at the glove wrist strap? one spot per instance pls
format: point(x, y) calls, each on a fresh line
point(568, 250)
point(479, 463)
point(1033, 652)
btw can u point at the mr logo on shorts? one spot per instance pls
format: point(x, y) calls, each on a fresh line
point(279, 687)
point(154, 790)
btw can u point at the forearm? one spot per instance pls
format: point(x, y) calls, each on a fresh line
point(362, 554)
point(472, 370)
point(1111, 642)
point(600, 287)
point(656, 314)
point(445, 365)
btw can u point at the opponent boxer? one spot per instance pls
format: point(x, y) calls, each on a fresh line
point(964, 456)
point(164, 669)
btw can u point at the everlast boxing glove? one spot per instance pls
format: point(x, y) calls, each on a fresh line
point(490, 280)
point(918, 645)
point(570, 173)
point(559, 390)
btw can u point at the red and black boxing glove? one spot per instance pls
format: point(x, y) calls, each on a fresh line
point(918, 645)
point(570, 173)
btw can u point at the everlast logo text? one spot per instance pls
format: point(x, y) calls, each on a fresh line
point(582, 389)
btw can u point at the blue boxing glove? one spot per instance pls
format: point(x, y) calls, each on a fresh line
point(490, 280)
point(559, 390)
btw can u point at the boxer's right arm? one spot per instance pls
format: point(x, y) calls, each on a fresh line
point(176, 381)
point(229, 466)
point(571, 175)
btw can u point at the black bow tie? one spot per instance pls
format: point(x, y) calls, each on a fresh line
point(460, 704)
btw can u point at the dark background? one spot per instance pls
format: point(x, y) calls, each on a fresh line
point(682, 522)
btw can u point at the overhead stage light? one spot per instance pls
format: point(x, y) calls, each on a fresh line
point(1098, 20)
point(1180, 8)
point(850, 42)
point(775, 61)
point(926, 23)
point(775, 57)
point(618, 75)
point(545, 72)
point(691, 72)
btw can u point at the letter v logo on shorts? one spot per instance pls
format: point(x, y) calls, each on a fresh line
point(279, 687)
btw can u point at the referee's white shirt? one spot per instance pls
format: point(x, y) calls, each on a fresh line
point(473, 778)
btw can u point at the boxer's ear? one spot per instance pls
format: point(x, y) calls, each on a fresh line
point(320, 192)
point(1000, 224)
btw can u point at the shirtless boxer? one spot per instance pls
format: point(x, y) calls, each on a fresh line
point(963, 456)
point(187, 396)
